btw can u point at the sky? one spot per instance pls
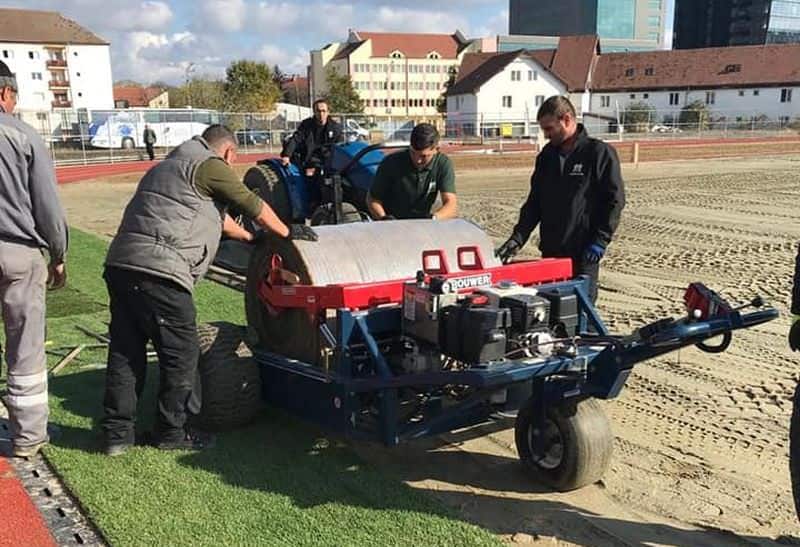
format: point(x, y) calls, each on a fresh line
point(156, 40)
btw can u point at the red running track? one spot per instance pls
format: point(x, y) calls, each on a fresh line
point(86, 172)
point(22, 525)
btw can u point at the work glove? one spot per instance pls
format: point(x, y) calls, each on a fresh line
point(794, 333)
point(508, 250)
point(593, 253)
point(301, 232)
point(387, 217)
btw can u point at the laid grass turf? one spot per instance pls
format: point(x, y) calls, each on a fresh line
point(276, 482)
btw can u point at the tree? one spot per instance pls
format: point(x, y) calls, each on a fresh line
point(694, 115)
point(201, 92)
point(638, 117)
point(342, 96)
point(250, 87)
point(441, 102)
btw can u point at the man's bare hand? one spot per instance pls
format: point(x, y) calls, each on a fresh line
point(56, 276)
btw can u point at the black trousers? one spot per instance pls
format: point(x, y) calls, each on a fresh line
point(592, 270)
point(147, 308)
point(150, 151)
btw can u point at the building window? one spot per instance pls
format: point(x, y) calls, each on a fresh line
point(786, 95)
point(741, 92)
point(434, 55)
point(732, 68)
point(674, 99)
point(36, 75)
point(33, 54)
point(756, 92)
point(80, 94)
point(78, 74)
point(710, 97)
point(75, 53)
point(516, 75)
point(396, 55)
point(629, 72)
point(654, 4)
point(633, 96)
point(605, 101)
point(539, 100)
point(616, 19)
point(654, 21)
point(506, 101)
point(645, 95)
point(8, 54)
point(649, 71)
point(533, 75)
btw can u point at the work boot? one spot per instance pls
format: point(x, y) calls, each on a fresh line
point(28, 451)
point(118, 448)
point(192, 440)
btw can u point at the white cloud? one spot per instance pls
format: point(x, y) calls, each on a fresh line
point(293, 61)
point(224, 15)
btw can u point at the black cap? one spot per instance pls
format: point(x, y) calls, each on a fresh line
point(7, 78)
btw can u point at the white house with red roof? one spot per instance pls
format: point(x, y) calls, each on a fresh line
point(399, 74)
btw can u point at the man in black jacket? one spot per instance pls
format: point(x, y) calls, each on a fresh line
point(576, 196)
point(309, 145)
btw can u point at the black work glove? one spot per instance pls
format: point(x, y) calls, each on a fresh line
point(301, 232)
point(387, 217)
point(794, 333)
point(508, 250)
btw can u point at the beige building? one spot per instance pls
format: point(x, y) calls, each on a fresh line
point(394, 74)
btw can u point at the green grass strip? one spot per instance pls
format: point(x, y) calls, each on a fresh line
point(276, 482)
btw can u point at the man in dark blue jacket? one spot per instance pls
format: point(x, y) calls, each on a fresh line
point(576, 196)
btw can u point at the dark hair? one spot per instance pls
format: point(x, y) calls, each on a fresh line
point(424, 136)
point(556, 106)
point(218, 134)
point(320, 101)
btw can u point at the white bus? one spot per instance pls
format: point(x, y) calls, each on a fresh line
point(125, 128)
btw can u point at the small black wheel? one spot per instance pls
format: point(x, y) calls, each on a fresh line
point(570, 449)
point(794, 449)
point(323, 214)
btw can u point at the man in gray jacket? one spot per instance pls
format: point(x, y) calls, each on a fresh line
point(31, 220)
point(168, 237)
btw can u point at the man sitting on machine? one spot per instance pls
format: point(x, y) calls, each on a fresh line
point(309, 147)
point(407, 182)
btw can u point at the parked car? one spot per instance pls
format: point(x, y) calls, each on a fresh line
point(659, 128)
point(252, 137)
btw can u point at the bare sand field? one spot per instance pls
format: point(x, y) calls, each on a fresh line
point(701, 449)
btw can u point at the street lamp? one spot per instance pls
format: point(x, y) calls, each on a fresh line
point(191, 67)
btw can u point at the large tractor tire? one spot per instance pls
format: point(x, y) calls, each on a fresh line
point(794, 449)
point(570, 449)
point(265, 180)
point(229, 378)
point(324, 215)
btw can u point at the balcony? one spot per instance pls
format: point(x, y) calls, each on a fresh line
point(56, 63)
point(59, 84)
point(61, 103)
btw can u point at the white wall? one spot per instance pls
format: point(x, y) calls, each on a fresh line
point(523, 93)
point(727, 102)
point(90, 78)
point(33, 94)
point(93, 88)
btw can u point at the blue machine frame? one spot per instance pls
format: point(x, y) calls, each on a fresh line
point(359, 396)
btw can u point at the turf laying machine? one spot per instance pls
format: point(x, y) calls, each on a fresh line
point(391, 331)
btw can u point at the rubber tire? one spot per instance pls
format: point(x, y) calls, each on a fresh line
point(794, 449)
point(128, 144)
point(587, 438)
point(322, 215)
point(265, 180)
point(230, 380)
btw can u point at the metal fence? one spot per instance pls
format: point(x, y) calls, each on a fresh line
point(78, 137)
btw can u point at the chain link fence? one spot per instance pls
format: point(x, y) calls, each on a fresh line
point(80, 137)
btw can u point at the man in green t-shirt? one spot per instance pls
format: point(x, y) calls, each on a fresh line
point(408, 182)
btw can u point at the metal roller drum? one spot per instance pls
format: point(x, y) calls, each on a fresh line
point(349, 253)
